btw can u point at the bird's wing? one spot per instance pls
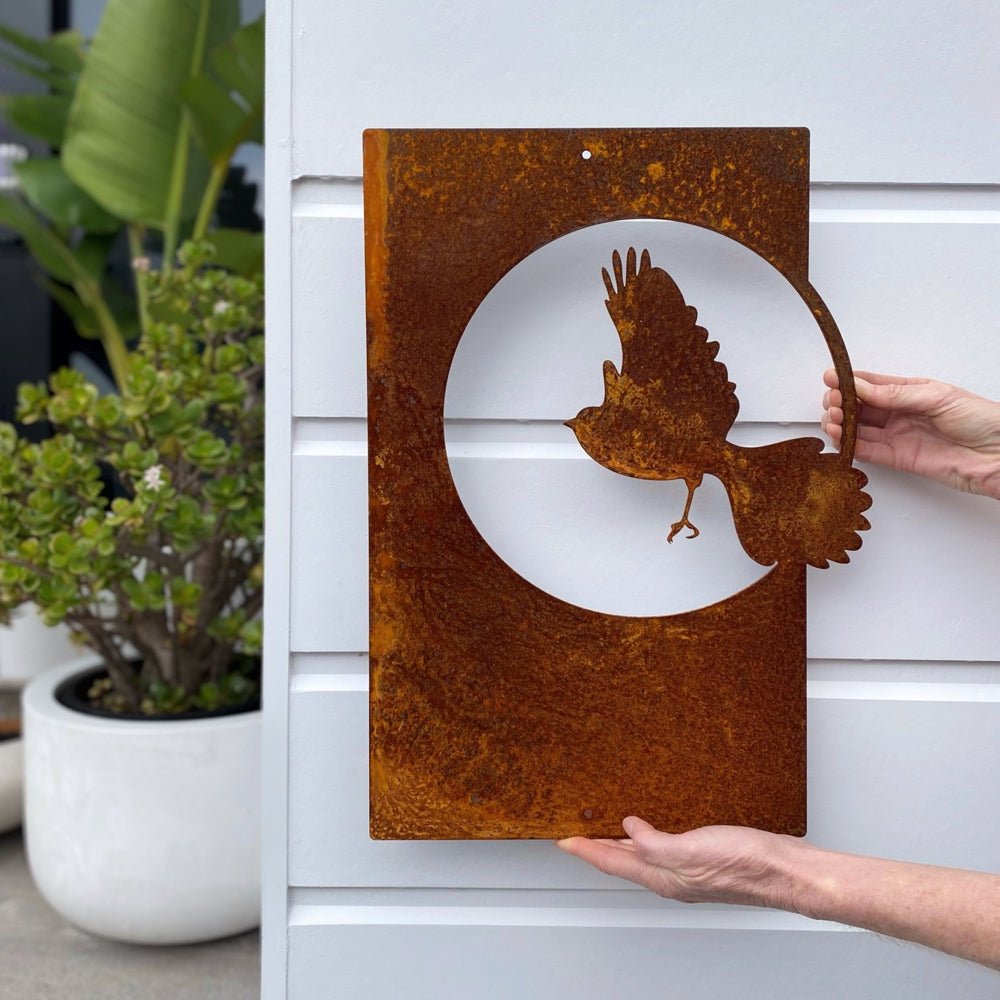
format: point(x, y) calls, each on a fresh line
point(662, 345)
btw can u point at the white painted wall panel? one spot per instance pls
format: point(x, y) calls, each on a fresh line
point(329, 598)
point(382, 955)
point(913, 296)
point(911, 779)
point(903, 751)
point(328, 320)
point(891, 91)
point(889, 603)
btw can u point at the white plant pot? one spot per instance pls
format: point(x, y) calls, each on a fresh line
point(142, 831)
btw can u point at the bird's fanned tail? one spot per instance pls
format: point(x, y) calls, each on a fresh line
point(792, 502)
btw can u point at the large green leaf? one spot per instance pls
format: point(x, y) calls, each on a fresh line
point(51, 192)
point(127, 137)
point(40, 115)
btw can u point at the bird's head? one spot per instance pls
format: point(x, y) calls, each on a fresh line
point(590, 426)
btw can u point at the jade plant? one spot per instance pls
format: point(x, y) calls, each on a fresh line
point(139, 522)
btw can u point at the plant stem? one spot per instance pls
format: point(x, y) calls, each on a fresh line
point(112, 339)
point(178, 173)
point(135, 235)
point(208, 200)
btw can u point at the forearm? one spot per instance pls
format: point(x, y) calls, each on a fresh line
point(949, 909)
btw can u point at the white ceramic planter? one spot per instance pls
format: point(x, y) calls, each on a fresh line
point(146, 832)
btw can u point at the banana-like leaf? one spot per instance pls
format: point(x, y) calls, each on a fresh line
point(228, 114)
point(51, 192)
point(46, 247)
point(238, 250)
point(40, 115)
point(240, 62)
point(127, 136)
point(216, 118)
point(63, 51)
point(62, 82)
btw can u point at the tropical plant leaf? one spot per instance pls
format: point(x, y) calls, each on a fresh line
point(46, 247)
point(227, 114)
point(239, 62)
point(218, 121)
point(51, 192)
point(127, 136)
point(40, 115)
point(57, 81)
point(61, 52)
point(237, 250)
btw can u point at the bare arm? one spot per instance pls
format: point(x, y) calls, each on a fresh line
point(922, 426)
point(948, 909)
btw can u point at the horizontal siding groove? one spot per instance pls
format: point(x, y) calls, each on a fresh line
point(490, 438)
point(956, 204)
point(490, 915)
point(352, 662)
point(325, 683)
point(820, 669)
point(936, 692)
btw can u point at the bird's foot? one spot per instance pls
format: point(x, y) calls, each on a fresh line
point(680, 526)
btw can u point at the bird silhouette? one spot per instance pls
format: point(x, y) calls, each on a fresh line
point(667, 413)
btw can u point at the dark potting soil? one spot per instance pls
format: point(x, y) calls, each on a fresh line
point(72, 693)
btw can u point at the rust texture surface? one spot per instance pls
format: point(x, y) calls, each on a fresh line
point(498, 710)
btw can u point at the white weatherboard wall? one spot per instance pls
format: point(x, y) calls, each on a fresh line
point(904, 644)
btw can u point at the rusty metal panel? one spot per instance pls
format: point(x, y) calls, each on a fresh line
point(498, 710)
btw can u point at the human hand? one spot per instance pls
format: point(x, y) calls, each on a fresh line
point(714, 864)
point(918, 425)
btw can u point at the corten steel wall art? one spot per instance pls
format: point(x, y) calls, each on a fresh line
point(498, 710)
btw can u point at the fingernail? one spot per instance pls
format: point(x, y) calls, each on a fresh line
point(627, 824)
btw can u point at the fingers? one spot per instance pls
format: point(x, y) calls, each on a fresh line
point(900, 397)
point(644, 262)
point(609, 857)
point(831, 378)
point(630, 264)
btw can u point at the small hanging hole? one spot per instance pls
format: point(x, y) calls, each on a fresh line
point(586, 154)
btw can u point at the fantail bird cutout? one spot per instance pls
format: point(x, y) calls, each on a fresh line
point(667, 413)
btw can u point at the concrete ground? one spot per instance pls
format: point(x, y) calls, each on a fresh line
point(42, 956)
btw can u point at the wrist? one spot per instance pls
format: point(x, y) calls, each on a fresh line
point(804, 879)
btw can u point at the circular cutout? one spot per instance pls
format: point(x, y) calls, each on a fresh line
point(586, 154)
point(531, 357)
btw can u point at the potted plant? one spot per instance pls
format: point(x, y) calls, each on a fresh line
point(139, 523)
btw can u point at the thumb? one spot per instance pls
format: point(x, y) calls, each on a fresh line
point(910, 397)
point(636, 827)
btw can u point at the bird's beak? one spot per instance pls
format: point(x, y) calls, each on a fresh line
point(571, 424)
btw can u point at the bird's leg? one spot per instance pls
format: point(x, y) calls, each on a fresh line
point(692, 485)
